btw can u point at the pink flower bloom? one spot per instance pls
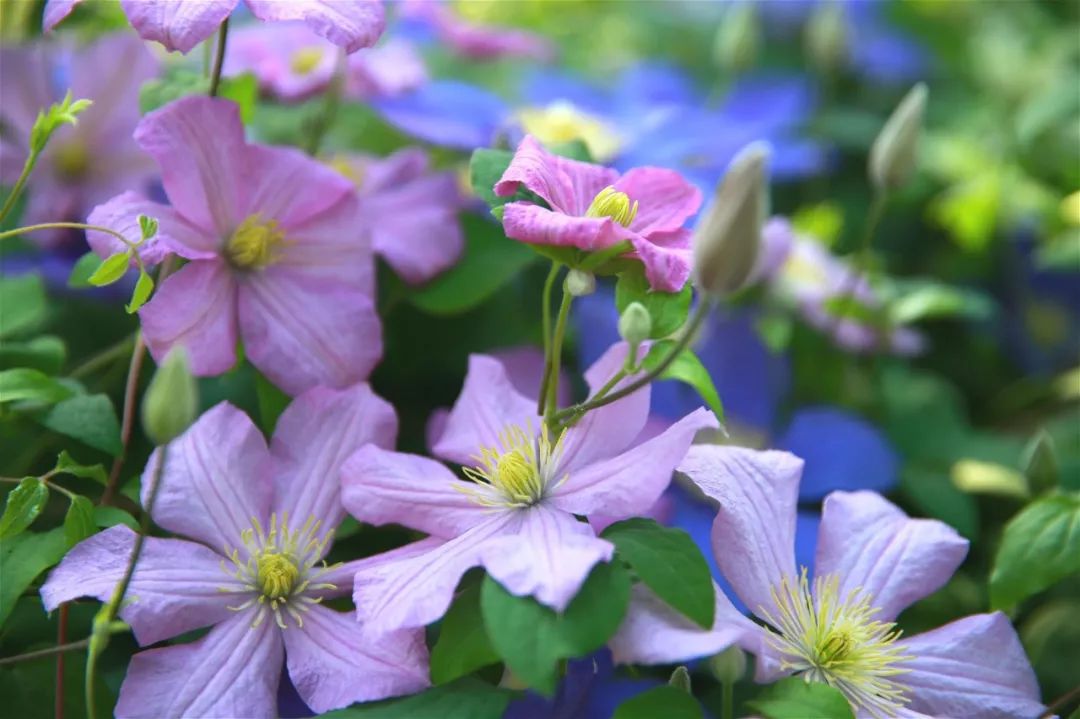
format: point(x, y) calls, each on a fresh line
point(592, 207)
point(516, 517)
point(838, 627)
point(182, 24)
point(477, 41)
point(293, 64)
point(411, 210)
point(279, 256)
point(260, 522)
point(84, 164)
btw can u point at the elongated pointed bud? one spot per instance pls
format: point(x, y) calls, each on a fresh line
point(895, 153)
point(727, 239)
point(827, 37)
point(580, 283)
point(680, 679)
point(171, 402)
point(729, 666)
point(1040, 462)
point(635, 324)
point(738, 38)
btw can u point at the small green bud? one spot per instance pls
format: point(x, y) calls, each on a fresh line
point(680, 679)
point(580, 283)
point(729, 666)
point(738, 38)
point(148, 227)
point(895, 152)
point(726, 240)
point(1040, 462)
point(827, 37)
point(171, 403)
point(635, 324)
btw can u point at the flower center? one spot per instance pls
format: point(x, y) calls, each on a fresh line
point(278, 568)
point(306, 59)
point(836, 640)
point(516, 473)
point(255, 243)
point(72, 160)
point(352, 171)
point(609, 202)
point(561, 122)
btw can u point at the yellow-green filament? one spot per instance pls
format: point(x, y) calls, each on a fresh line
point(517, 470)
point(306, 59)
point(609, 202)
point(255, 244)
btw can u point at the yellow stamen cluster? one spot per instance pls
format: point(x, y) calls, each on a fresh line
point(517, 472)
point(609, 202)
point(306, 59)
point(255, 244)
point(71, 160)
point(561, 122)
point(836, 640)
point(278, 568)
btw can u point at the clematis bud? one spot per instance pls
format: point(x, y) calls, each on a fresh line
point(580, 283)
point(729, 666)
point(895, 152)
point(738, 38)
point(680, 679)
point(635, 324)
point(727, 239)
point(827, 37)
point(171, 403)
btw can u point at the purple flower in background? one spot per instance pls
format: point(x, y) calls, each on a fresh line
point(291, 63)
point(279, 254)
point(516, 515)
point(412, 211)
point(84, 164)
point(473, 40)
point(182, 24)
point(260, 522)
point(593, 207)
point(837, 627)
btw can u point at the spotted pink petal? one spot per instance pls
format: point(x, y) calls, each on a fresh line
point(568, 186)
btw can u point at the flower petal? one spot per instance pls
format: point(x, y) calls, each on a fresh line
point(196, 309)
point(753, 536)
point(665, 200)
point(630, 483)
point(447, 113)
point(973, 667)
point(175, 234)
point(302, 330)
point(231, 672)
point(333, 664)
point(55, 11)
point(382, 487)
point(568, 186)
point(333, 245)
point(313, 438)
point(178, 26)
point(176, 586)
point(214, 482)
point(351, 24)
point(667, 258)
point(487, 405)
point(537, 225)
point(198, 142)
point(289, 186)
point(870, 544)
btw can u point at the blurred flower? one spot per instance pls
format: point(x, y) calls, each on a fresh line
point(592, 208)
point(350, 24)
point(259, 524)
point(474, 40)
point(516, 518)
point(86, 163)
point(872, 562)
point(279, 256)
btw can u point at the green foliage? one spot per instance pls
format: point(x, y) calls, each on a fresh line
point(664, 701)
point(23, 300)
point(1041, 546)
point(111, 269)
point(79, 522)
point(82, 270)
point(24, 504)
point(463, 645)
point(795, 698)
point(464, 699)
point(241, 89)
point(485, 169)
point(49, 121)
point(143, 287)
point(66, 464)
point(668, 310)
point(686, 368)
point(30, 385)
point(22, 559)
point(90, 419)
point(45, 354)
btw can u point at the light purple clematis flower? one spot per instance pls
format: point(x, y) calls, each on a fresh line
point(182, 24)
point(279, 256)
point(84, 164)
point(292, 64)
point(260, 521)
point(473, 40)
point(412, 211)
point(592, 208)
point(839, 627)
point(516, 517)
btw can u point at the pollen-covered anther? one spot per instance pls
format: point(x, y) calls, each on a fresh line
point(306, 59)
point(517, 472)
point(609, 202)
point(255, 244)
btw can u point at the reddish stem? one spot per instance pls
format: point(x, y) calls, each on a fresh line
point(61, 639)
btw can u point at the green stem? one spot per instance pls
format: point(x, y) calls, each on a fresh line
point(104, 358)
point(219, 58)
point(545, 315)
point(556, 355)
point(28, 167)
point(322, 123)
point(727, 710)
point(67, 226)
point(862, 259)
point(47, 652)
point(131, 387)
point(597, 259)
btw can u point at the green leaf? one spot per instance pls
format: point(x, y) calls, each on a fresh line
point(669, 563)
point(929, 300)
point(849, 308)
point(668, 310)
point(111, 269)
point(795, 698)
point(90, 419)
point(464, 699)
point(148, 227)
point(159, 92)
point(463, 645)
point(490, 260)
point(84, 267)
point(24, 504)
point(22, 559)
point(244, 91)
point(531, 638)
point(1040, 461)
point(21, 385)
point(272, 402)
point(79, 521)
point(665, 701)
point(936, 496)
point(686, 368)
point(485, 168)
point(1040, 546)
point(143, 287)
point(106, 517)
point(66, 464)
point(23, 301)
point(46, 354)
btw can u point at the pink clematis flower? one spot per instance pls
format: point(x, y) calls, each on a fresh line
point(412, 211)
point(292, 64)
point(279, 256)
point(182, 24)
point(84, 164)
point(516, 515)
point(838, 627)
point(260, 522)
point(592, 208)
point(473, 40)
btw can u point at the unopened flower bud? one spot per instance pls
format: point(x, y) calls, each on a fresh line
point(726, 240)
point(738, 38)
point(827, 37)
point(635, 324)
point(895, 152)
point(729, 666)
point(171, 403)
point(680, 679)
point(580, 283)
